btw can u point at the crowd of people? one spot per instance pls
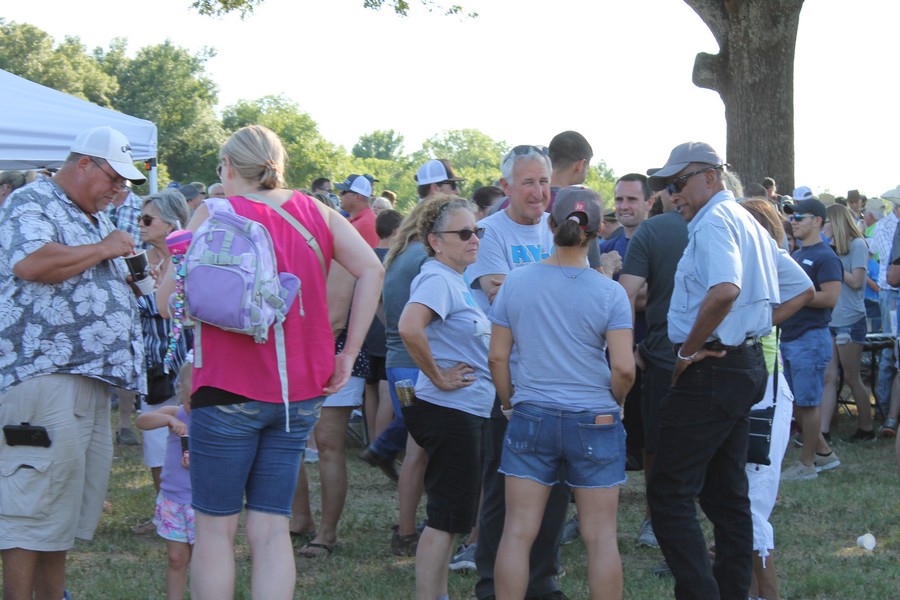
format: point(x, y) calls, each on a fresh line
point(518, 348)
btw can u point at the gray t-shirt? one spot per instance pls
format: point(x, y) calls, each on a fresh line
point(507, 245)
point(559, 325)
point(851, 305)
point(394, 295)
point(460, 334)
point(653, 254)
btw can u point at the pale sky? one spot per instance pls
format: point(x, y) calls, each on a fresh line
point(617, 71)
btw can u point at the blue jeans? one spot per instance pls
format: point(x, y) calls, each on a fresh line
point(887, 301)
point(702, 453)
point(540, 440)
point(392, 440)
point(805, 360)
point(244, 448)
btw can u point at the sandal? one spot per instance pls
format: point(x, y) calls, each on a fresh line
point(315, 550)
point(306, 535)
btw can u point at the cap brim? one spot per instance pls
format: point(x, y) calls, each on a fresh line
point(128, 171)
point(657, 181)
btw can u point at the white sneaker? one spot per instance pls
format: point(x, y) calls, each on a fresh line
point(464, 559)
point(646, 537)
point(799, 472)
point(826, 463)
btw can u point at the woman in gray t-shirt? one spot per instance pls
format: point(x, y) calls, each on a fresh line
point(562, 316)
point(447, 335)
point(848, 321)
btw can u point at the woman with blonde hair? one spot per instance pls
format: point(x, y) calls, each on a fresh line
point(246, 441)
point(848, 321)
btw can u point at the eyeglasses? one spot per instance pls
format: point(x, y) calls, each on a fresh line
point(466, 234)
point(676, 185)
point(453, 185)
point(147, 220)
point(119, 182)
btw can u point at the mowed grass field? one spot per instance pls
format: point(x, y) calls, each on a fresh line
point(816, 526)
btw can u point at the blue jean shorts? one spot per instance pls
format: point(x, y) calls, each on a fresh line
point(541, 440)
point(805, 359)
point(239, 449)
point(855, 332)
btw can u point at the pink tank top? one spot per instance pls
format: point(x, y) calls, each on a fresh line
point(234, 362)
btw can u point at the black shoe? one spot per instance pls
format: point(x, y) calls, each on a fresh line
point(662, 570)
point(862, 436)
point(386, 465)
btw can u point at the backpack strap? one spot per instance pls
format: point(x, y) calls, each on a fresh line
point(310, 239)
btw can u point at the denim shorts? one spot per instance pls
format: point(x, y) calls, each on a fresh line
point(541, 440)
point(239, 449)
point(805, 359)
point(855, 332)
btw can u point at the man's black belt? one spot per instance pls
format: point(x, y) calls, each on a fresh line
point(717, 346)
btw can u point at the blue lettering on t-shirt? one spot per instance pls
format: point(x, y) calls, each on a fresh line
point(527, 254)
point(469, 299)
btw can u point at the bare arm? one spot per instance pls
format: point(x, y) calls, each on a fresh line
point(353, 253)
point(713, 310)
point(163, 417)
point(166, 281)
point(490, 285)
point(828, 296)
point(55, 262)
point(412, 325)
point(340, 288)
point(784, 310)
point(621, 362)
point(856, 278)
point(498, 362)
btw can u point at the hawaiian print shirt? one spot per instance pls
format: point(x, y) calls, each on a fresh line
point(86, 325)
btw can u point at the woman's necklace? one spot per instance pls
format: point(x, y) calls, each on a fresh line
point(563, 269)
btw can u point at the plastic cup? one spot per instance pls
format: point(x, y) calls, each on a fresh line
point(146, 285)
point(406, 392)
point(138, 265)
point(866, 542)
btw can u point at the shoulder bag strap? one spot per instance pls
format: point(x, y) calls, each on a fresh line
point(310, 239)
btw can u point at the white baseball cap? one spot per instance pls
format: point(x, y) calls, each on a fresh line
point(436, 171)
point(113, 147)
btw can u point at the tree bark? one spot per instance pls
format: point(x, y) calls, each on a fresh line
point(754, 75)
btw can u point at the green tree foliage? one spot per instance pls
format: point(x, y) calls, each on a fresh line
point(385, 145)
point(309, 154)
point(473, 154)
point(600, 177)
point(220, 8)
point(28, 52)
point(168, 85)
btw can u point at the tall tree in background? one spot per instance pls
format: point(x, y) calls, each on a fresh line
point(309, 154)
point(754, 75)
point(473, 154)
point(384, 145)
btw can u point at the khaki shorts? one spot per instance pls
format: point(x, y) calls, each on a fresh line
point(50, 496)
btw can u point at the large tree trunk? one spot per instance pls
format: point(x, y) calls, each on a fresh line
point(754, 75)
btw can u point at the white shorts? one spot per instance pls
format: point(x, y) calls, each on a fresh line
point(154, 440)
point(350, 395)
point(764, 479)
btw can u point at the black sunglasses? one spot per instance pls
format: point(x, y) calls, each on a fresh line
point(147, 220)
point(526, 149)
point(453, 185)
point(677, 184)
point(466, 234)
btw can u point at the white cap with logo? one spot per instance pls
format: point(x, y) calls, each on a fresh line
point(113, 147)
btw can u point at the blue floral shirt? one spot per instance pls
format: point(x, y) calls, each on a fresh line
point(86, 325)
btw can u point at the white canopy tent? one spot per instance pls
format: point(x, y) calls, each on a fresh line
point(38, 125)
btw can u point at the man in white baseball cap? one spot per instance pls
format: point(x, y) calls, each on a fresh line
point(59, 261)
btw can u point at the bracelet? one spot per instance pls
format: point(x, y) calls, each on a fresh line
point(686, 358)
point(507, 412)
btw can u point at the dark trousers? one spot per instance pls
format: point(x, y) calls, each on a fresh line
point(544, 558)
point(702, 453)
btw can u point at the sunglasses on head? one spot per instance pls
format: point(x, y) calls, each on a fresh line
point(676, 185)
point(466, 234)
point(526, 149)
